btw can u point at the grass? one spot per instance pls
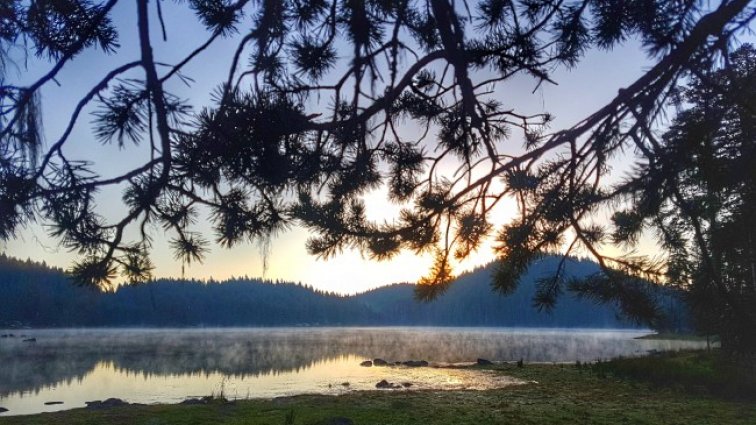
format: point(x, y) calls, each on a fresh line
point(701, 372)
point(652, 390)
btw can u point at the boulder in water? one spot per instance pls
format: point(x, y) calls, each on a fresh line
point(3, 409)
point(386, 385)
point(52, 403)
point(380, 362)
point(484, 362)
point(415, 363)
point(192, 401)
point(111, 402)
point(366, 363)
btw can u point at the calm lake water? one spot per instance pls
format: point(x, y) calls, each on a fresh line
point(169, 365)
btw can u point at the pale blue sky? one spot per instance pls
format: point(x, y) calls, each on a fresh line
point(581, 90)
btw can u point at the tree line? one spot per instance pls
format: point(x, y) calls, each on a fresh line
point(33, 294)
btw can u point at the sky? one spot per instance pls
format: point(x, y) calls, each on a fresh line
point(580, 91)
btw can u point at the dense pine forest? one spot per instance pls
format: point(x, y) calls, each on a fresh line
point(36, 295)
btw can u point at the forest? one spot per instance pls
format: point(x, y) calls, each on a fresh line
point(36, 295)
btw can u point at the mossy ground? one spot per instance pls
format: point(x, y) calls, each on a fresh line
point(631, 391)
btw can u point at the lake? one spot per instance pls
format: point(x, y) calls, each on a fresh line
point(73, 366)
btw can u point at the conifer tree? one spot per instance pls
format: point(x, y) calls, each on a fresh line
point(694, 188)
point(262, 157)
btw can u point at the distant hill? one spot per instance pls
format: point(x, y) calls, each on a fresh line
point(33, 294)
point(471, 302)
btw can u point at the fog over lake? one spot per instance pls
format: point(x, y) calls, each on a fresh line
point(168, 365)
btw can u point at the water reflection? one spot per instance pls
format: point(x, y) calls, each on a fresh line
point(168, 365)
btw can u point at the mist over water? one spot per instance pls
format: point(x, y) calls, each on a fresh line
point(168, 365)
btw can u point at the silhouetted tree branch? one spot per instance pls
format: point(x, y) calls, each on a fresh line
point(343, 97)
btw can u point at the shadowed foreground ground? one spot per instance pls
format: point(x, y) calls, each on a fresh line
point(687, 388)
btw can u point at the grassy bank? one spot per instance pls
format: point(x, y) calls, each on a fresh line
point(634, 391)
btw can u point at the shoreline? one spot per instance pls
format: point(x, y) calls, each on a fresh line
point(668, 336)
point(647, 390)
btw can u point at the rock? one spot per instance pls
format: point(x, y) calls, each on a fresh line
point(50, 403)
point(4, 336)
point(415, 363)
point(192, 401)
point(30, 340)
point(366, 363)
point(380, 362)
point(3, 409)
point(111, 402)
point(386, 385)
point(345, 384)
point(484, 362)
point(406, 384)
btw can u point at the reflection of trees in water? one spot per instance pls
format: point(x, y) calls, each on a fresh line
point(60, 356)
point(30, 371)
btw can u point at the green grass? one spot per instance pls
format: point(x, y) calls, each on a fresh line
point(609, 393)
point(702, 372)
